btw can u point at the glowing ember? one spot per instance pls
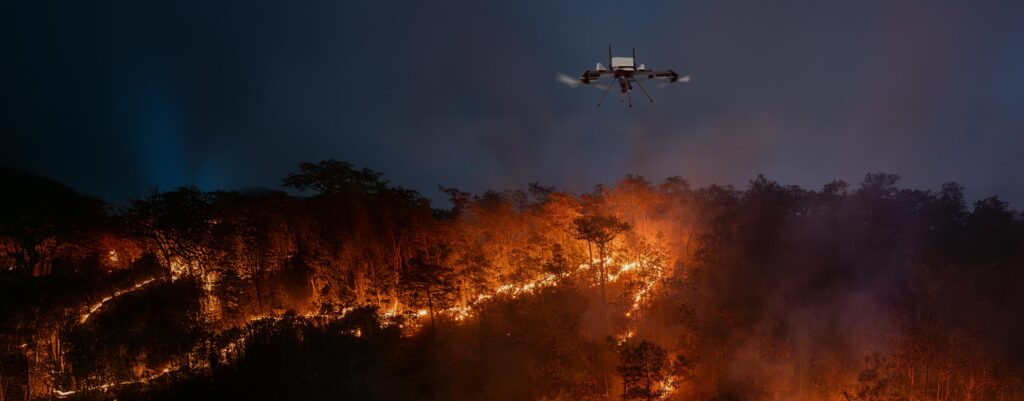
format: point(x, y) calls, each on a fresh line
point(108, 386)
point(612, 277)
point(622, 338)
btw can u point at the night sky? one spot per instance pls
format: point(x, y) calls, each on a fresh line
point(114, 98)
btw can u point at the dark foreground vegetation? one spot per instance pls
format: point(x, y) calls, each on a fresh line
point(359, 290)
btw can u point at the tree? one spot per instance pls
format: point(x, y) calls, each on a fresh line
point(179, 223)
point(952, 198)
point(255, 234)
point(875, 381)
point(332, 177)
point(557, 264)
point(644, 371)
point(38, 210)
point(432, 281)
point(599, 231)
point(835, 188)
point(879, 185)
point(151, 328)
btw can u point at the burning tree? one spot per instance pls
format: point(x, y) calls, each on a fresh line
point(599, 231)
point(180, 226)
point(431, 283)
point(764, 290)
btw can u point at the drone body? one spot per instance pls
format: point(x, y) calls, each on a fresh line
point(623, 72)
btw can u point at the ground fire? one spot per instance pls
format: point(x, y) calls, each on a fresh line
point(350, 288)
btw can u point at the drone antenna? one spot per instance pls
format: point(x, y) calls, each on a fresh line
point(634, 59)
point(610, 56)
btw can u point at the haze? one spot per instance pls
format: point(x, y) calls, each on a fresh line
point(119, 97)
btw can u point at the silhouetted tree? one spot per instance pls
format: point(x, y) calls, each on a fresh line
point(332, 177)
point(35, 210)
point(180, 226)
point(599, 231)
point(644, 370)
point(428, 284)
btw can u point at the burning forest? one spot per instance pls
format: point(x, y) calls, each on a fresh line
point(343, 286)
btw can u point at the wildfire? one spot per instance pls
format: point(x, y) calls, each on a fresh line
point(668, 386)
point(98, 305)
point(612, 277)
point(622, 338)
point(107, 386)
point(457, 313)
point(546, 280)
point(238, 344)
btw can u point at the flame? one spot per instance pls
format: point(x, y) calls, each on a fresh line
point(239, 343)
point(612, 277)
point(466, 311)
point(98, 305)
point(668, 386)
point(622, 338)
point(107, 386)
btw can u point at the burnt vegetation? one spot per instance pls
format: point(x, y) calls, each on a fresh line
point(350, 288)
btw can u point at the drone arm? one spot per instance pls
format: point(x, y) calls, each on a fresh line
point(672, 76)
point(591, 75)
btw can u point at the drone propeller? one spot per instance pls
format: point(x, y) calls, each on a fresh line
point(683, 79)
point(576, 82)
point(568, 81)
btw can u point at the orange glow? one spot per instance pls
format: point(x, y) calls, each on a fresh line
point(85, 317)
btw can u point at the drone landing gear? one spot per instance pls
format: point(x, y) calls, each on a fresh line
point(606, 92)
point(643, 90)
point(627, 92)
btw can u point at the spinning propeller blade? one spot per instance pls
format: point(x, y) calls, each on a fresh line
point(683, 79)
point(568, 81)
point(575, 82)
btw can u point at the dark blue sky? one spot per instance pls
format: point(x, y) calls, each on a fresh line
point(116, 97)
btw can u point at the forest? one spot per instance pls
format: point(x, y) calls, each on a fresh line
point(343, 286)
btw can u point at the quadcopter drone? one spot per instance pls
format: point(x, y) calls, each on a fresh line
point(625, 73)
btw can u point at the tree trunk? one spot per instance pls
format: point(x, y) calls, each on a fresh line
point(28, 379)
point(946, 394)
point(650, 393)
point(430, 307)
point(259, 298)
point(912, 367)
point(604, 295)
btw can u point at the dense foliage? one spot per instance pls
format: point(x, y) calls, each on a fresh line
point(356, 289)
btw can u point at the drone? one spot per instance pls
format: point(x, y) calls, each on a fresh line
point(623, 72)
